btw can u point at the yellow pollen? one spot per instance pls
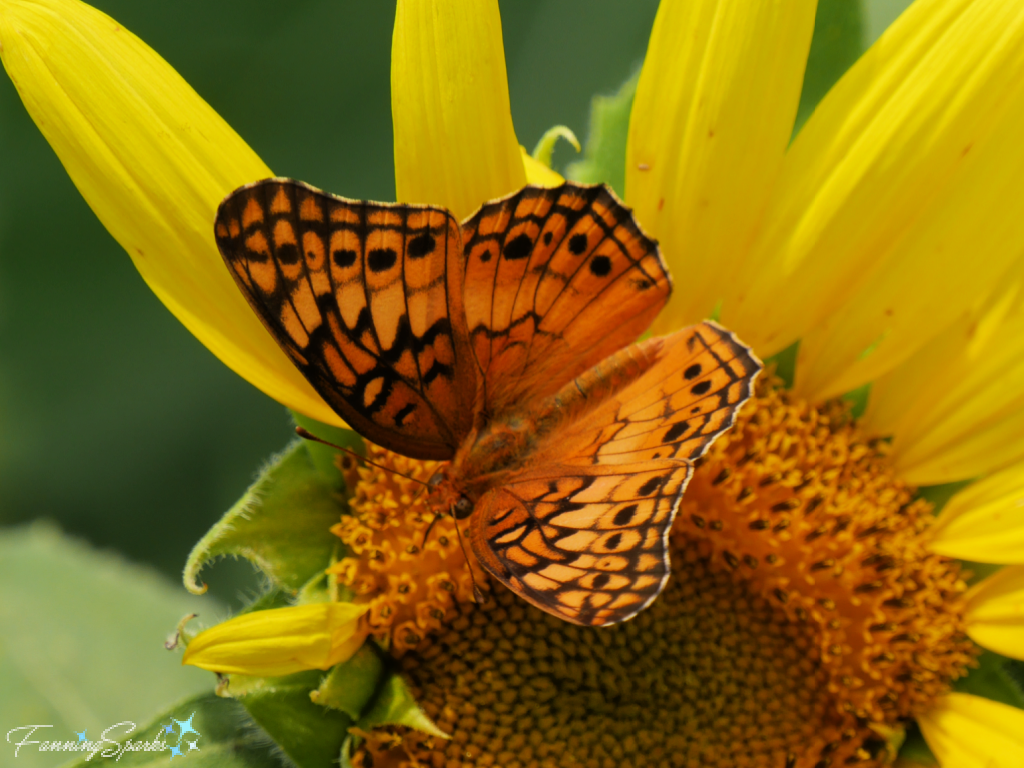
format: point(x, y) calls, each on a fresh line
point(414, 581)
point(804, 622)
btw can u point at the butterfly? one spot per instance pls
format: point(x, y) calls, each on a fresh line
point(503, 346)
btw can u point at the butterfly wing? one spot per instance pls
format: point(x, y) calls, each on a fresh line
point(587, 544)
point(691, 385)
point(366, 299)
point(556, 280)
point(583, 532)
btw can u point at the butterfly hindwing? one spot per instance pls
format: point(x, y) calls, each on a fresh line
point(588, 544)
point(366, 299)
point(582, 530)
point(556, 280)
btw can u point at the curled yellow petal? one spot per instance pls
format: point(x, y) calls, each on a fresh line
point(966, 731)
point(712, 117)
point(454, 141)
point(153, 161)
point(546, 146)
point(280, 641)
point(955, 408)
point(897, 206)
point(995, 612)
point(984, 522)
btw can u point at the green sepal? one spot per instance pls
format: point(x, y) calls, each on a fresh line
point(939, 495)
point(350, 686)
point(227, 739)
point(309, 734)
point(857, 399)
point(324, 457)
point(838, 42)
point(281, 525)
point(993, 679)
point(891, 740)
point(915, 749)
point(267, 601)
point(604, 152)
point(784, 363)
point(393, 705)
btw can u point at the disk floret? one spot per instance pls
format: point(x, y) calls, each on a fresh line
point(804, 624)
point(796, 500)
point(404, 561)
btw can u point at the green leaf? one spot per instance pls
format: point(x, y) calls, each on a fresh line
point(323, 456)
point(837, 43)
point(993, 679)
point(282, 525)
point(351, 685)
point(309, 734)
point(81, 639)
point(227, 739)
point(604, 152)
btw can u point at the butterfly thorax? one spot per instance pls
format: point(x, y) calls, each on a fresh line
point(487, 456)
point(499, 447)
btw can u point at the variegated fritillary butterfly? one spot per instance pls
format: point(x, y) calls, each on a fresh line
point(500, 346)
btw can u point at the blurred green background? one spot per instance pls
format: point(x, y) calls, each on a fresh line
point(115, 424)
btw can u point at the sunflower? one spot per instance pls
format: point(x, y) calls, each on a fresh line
point(818, 607)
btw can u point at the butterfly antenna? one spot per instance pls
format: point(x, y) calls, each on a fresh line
point(430, 527)
point(478, 594)
point(307, 435)
point(419, 493)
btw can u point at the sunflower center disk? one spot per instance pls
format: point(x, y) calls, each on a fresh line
point(804, 621)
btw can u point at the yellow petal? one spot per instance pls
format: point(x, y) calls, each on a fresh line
point(454, 141)
point(984, 522)
point(538, 173)
point(955, 408)
point(153, 161)
point(712, 117)
point(898, 204)
point(995, 612)
point(966, 731)
point(280, 641)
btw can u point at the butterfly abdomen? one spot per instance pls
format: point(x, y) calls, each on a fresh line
point(595, 386)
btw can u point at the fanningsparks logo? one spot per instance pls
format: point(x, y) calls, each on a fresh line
point(178, 736)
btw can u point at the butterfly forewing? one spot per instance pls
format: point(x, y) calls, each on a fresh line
point(588, 544)
point(366, 298)
point(556, 280)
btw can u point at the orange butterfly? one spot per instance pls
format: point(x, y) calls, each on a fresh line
point(500, 346)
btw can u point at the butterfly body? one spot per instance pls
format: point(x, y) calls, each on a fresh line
point(502, 346)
